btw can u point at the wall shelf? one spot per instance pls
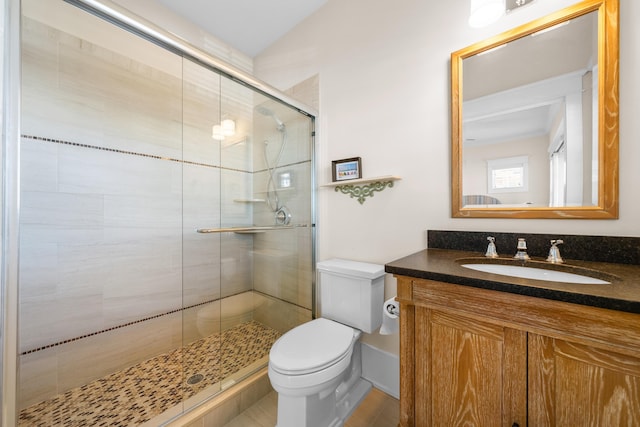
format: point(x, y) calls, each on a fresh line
point(362, 188)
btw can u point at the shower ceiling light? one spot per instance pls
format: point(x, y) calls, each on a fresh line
point(485, 12)
point(217, 133)
point(228, 127)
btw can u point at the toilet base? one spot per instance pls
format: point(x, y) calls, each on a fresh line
point(349, 403)
point(316, 411)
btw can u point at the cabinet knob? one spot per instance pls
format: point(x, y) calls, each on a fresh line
point(515, 425)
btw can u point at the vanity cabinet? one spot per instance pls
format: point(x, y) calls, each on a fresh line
point(478, 357)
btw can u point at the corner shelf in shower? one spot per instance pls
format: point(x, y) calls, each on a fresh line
point(362, 188)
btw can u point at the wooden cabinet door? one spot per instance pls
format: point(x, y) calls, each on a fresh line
point(577, 385)
point(469, 372)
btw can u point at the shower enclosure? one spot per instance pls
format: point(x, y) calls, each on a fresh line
point(165, 221)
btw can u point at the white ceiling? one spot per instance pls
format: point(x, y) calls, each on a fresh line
point(247, 25)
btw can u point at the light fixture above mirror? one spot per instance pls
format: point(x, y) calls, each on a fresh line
point(569, 105)
point(486, 12)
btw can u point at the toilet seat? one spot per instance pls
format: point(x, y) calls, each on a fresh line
point(311, 347)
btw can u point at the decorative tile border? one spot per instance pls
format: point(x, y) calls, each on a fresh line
point(113, 328)
point(151, 156)
point(131, 153)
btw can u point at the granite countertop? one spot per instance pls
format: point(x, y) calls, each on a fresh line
point(622, 293)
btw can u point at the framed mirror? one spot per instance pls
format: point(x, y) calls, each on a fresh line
point(535, 119)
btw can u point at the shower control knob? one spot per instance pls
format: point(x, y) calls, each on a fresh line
point(283, 216)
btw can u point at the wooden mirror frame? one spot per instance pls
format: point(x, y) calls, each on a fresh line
point(608, 133)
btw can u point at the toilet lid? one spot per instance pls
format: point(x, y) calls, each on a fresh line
point(311, 347)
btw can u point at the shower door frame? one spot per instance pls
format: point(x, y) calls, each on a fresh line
point(10, 159)
point(10, 211)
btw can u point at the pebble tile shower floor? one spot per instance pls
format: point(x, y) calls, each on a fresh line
point(139, 393)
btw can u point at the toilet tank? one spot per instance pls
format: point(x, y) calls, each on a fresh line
point(352, 293)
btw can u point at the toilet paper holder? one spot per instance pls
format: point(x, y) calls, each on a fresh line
point(390, 314)
point(392, 309)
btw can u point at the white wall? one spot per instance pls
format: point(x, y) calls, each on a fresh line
point(384, 96)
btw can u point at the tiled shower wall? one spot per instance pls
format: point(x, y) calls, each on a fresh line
point(118, 171)
point(283, 260)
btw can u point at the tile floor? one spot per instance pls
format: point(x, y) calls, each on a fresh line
point(377, 410)
point(139, 393)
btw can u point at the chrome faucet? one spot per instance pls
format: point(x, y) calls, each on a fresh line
point(554, 252)
point(491, 248)
point(522, 250)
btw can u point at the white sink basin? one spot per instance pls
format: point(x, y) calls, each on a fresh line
point(535, 273)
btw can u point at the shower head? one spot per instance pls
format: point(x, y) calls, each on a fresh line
point(267, 112)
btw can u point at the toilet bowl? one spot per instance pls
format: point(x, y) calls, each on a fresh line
point(311, 355)
point(316, 372)
point(316, 367)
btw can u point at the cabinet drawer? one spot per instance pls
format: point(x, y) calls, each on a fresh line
point(608, 329)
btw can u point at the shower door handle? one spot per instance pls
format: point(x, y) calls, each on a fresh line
point(255, 229)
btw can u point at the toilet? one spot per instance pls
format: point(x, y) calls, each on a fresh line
point(316, 367)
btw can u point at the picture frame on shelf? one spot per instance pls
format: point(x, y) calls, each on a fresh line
point(346, 169)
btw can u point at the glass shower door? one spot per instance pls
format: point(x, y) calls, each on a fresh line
point(100, 287)
point(258, 246)
point(201, 252)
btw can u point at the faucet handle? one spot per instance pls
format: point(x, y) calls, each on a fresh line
point(554, 253)
point(491, 248)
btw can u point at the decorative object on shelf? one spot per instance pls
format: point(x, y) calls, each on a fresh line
point(360, 189)
point(361, 192)
point(346, 169)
